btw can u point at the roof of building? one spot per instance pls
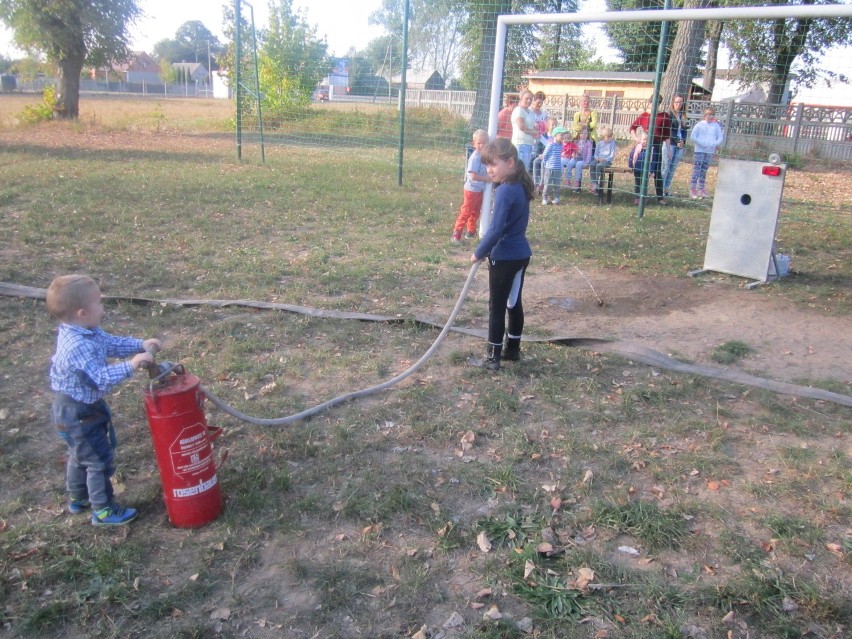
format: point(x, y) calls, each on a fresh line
point(138, 61)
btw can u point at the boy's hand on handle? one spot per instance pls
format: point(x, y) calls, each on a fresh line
point(141, 360)
point(474, 259)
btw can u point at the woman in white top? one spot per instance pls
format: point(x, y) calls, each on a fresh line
point(524, 130)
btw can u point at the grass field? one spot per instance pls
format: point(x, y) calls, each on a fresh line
point(614, 499)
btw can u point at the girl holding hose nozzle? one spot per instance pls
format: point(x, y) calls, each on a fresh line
point(508, 251)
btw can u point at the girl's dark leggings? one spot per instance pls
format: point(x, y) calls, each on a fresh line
point(505, 285)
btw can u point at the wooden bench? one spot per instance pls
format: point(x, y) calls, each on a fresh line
point(610, 171)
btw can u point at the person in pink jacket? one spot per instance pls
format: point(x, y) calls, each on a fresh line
point(580, 157)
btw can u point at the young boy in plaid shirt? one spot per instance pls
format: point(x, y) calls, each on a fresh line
point(81, 376)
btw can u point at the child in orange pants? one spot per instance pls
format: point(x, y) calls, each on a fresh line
point(476, 177)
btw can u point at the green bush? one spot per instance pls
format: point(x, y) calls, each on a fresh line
point(36, 113)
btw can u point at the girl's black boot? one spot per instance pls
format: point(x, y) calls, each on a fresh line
point(491, 361)
point(512, 349)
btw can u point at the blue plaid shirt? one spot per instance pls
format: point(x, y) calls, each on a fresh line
point(80, 368)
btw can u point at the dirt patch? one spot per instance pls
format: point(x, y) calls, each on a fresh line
point(687, 318)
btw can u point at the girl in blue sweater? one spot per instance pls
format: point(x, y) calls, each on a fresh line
point(508, 251)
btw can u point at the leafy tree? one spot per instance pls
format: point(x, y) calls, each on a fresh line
point(528, 47)
point(434, 32)
point(190, 44)
point(167, 72)
point(478, 59)
point(784, 51)
point(361, 70)
point(638, 41)
point(291, 59)
point(71, 34)
point(197, 38)
point(382, 54)
point(172, 51)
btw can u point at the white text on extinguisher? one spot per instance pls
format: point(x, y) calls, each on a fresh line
point(202, 487)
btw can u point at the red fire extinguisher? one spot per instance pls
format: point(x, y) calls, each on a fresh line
point(182, 444)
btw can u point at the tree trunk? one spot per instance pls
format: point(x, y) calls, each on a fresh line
point(68, 99)
point(686, 54)
point(486, 63)
point(785, 55)
point(714, 37)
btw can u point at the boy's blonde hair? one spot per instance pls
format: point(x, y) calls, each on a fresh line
point(67, 294)
point(709, 111)
point(605, 131)
point(479, 134)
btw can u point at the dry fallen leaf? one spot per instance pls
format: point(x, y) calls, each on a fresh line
point(467, 440)
point(835, 548)
point(222, 614)
point(556, 504)
point(528, 568)
point(483, 542)
point(584, 577)
point(587, 478)
point(712, 485)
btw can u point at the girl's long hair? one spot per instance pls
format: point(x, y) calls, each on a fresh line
point(503, 149)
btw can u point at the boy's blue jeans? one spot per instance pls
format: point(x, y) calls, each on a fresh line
point(89, 433)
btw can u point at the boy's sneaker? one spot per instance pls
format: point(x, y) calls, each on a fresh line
point(76, 506)
point(469, 235)
point(693, 194)
point(702, 194)
point(556, 200)
point(456, 238)
point(546, 202)
point(113, 515)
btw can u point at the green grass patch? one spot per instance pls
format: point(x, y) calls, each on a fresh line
point(730, 352)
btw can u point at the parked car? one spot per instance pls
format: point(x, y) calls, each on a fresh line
point(321, 94)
